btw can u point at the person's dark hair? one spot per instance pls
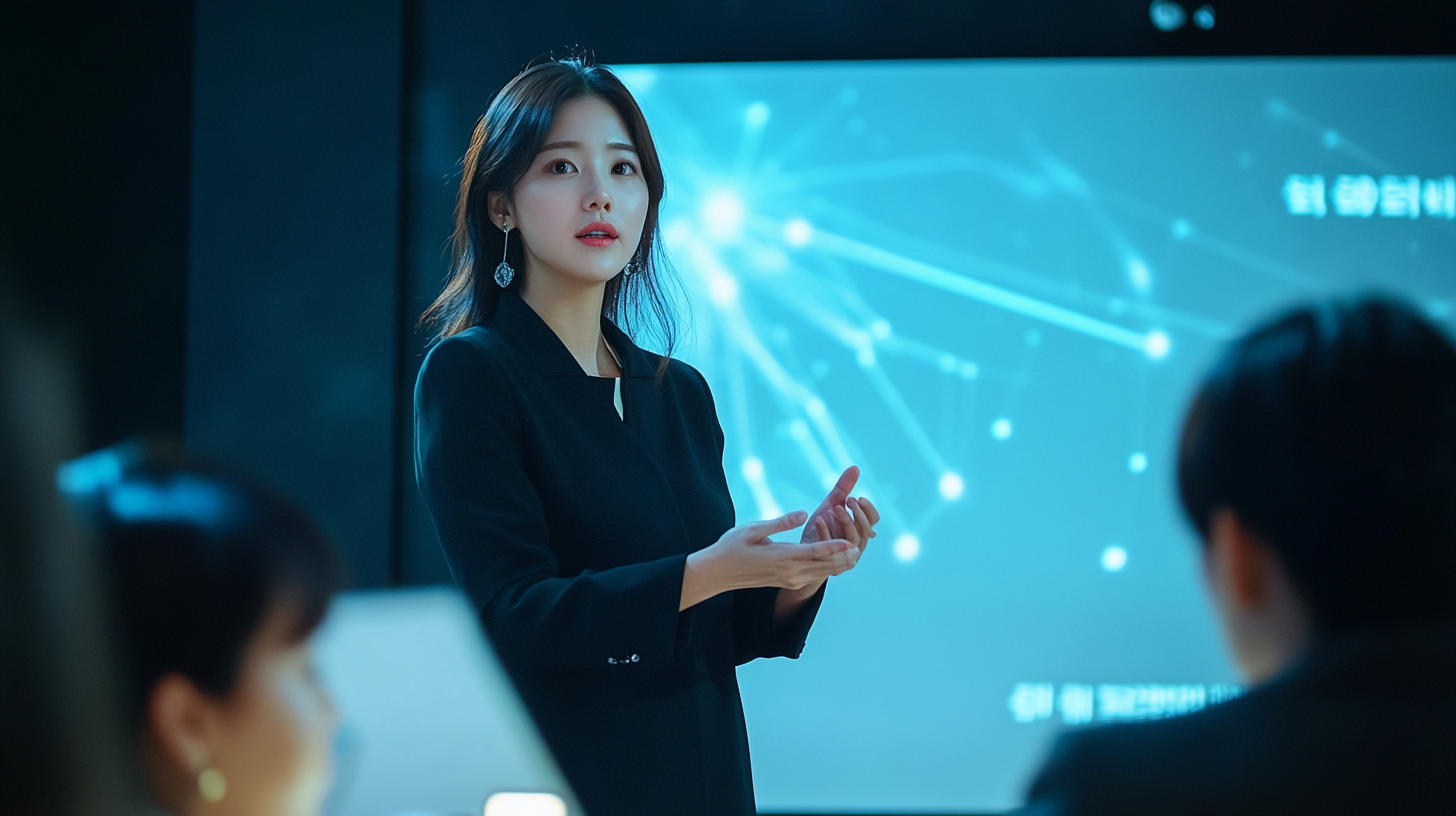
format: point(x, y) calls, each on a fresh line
point(196, 557)
point(1330, 431)
point(502, 148)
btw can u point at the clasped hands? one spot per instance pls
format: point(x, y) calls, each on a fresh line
point(835, 535)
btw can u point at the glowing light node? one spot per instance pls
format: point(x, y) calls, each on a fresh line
point(815, 408)
point(1138, 462)
point(907, 547)
point(1181, 228)
point(880, 330)
point(1157, 345)
point(753, 468)
point(757, 115)
point(948, 363)
point(722, 215)
point(722, 289)
point(1138, 273)
point(1001, 429)
point(1114, 558)
point(865, 356)
point(952, 486)
point(970, 371)
point(798, 233)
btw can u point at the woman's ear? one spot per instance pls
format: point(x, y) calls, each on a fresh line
point(179, 714)
point(500, 209)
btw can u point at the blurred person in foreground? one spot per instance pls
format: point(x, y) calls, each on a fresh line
point(1318, 464)
point(61, 744)
point(218, 584)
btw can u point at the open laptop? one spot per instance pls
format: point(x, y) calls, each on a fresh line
point(429, 722)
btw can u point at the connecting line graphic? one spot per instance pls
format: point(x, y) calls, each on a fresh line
point(1155, 343)
point(733, 226)
point(813, 428)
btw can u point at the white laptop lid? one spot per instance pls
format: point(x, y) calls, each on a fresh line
point(430, 724)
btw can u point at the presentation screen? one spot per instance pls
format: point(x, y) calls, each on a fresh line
point(994, 285)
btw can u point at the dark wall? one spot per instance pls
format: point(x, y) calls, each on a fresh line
point(93, 196)
point(291, 299)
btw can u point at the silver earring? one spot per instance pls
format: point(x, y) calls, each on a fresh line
point(633, 265)
point(504, 274)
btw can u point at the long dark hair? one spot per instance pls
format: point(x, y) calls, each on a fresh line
point(505, 142)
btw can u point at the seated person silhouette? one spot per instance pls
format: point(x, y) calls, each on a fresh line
point(1318, 464)
point(217, 584)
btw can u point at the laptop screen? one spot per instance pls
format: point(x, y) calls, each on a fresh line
point(429, 723)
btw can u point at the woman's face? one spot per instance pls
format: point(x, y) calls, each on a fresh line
point(270, 737)
point(581, 206)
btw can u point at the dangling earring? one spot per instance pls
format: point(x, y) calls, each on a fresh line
point(633, 265)
point(504, 274)
point(212, 785)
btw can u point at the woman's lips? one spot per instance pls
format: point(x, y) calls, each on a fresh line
point(598, 234)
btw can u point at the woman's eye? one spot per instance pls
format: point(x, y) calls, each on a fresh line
point(624, 169)
point(561, 166)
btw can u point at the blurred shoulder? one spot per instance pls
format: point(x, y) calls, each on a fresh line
point(1164, 766)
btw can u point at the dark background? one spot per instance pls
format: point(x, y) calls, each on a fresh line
point(226, 209)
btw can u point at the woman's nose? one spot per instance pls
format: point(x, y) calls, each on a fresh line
point(599, 201)
point(598, 198)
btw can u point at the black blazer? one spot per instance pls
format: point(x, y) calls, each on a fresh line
point(568, 528)
point(1365, 724)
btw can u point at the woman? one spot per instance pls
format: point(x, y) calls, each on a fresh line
point(217, 584)
point(576, 480)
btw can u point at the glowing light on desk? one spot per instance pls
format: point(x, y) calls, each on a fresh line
point(525, 804)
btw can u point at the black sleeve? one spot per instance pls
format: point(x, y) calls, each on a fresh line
point(491, 523)
point(754, 632)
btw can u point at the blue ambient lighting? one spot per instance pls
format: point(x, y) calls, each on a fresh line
point(992, 285)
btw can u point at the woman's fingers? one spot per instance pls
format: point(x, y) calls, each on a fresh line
point(823, 550)
point(870, 510)
point(845, 483)
point(846, 523)
point(862, 522)
point(758, 530)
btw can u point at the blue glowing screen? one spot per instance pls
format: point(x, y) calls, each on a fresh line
point(993, 285)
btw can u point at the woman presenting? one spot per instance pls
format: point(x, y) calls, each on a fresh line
point(576, 480)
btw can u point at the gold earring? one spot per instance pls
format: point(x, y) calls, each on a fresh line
point(212, 785)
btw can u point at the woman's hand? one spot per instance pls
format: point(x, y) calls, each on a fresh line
point(839, 516)
point(745, 557)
